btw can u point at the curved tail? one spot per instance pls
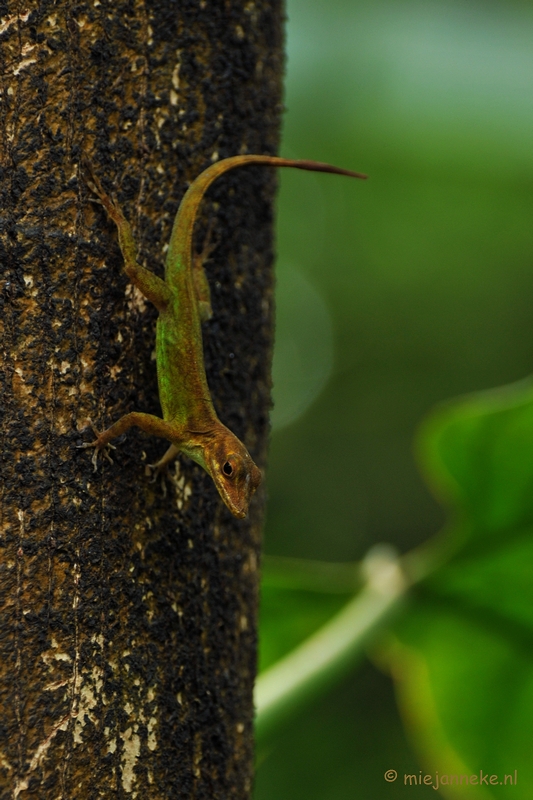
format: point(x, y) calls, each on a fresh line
point(181, 238)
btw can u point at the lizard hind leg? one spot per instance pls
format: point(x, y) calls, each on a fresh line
point(201, 284)
point(153, 288)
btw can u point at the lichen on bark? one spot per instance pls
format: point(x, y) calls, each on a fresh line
point(127, 612)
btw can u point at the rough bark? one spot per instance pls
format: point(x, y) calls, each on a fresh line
point(127, 617)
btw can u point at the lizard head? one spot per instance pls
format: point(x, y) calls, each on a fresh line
point(234, 473)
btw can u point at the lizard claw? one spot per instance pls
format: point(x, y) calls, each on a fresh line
point(98, 193)
point(161, 468)
point(97, 447)
point(158, 471)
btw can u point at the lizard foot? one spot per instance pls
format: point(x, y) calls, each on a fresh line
point(161, 471)
point(161, 468)
point(98, 447)
point(98, 193)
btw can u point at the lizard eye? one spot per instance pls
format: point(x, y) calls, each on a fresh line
point(227, 469)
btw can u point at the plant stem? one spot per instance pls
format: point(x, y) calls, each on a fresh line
point(334, 648)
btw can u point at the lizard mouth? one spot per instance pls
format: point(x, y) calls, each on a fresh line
point(238, 510)
point(236, 501)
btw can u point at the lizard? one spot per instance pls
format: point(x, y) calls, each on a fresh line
point(190, 422)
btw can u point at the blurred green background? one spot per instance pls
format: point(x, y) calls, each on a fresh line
point(393, 295)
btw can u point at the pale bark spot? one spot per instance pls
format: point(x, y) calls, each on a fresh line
point(131, 749)
point(152, 737)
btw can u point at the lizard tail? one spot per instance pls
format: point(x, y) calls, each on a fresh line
point(181, 238)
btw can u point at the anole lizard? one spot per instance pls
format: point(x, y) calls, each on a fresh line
point(189, 421)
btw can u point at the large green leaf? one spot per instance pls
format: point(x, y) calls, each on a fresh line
point(478, 456)
point(462, 651)
point(463, 656)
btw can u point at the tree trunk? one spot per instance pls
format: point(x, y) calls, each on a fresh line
point(128, 608)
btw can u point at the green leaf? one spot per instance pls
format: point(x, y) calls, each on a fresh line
point(477, 454)
point(463, 656)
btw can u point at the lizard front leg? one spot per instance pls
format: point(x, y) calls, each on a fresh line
point(146, 422)
point(160, 467)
